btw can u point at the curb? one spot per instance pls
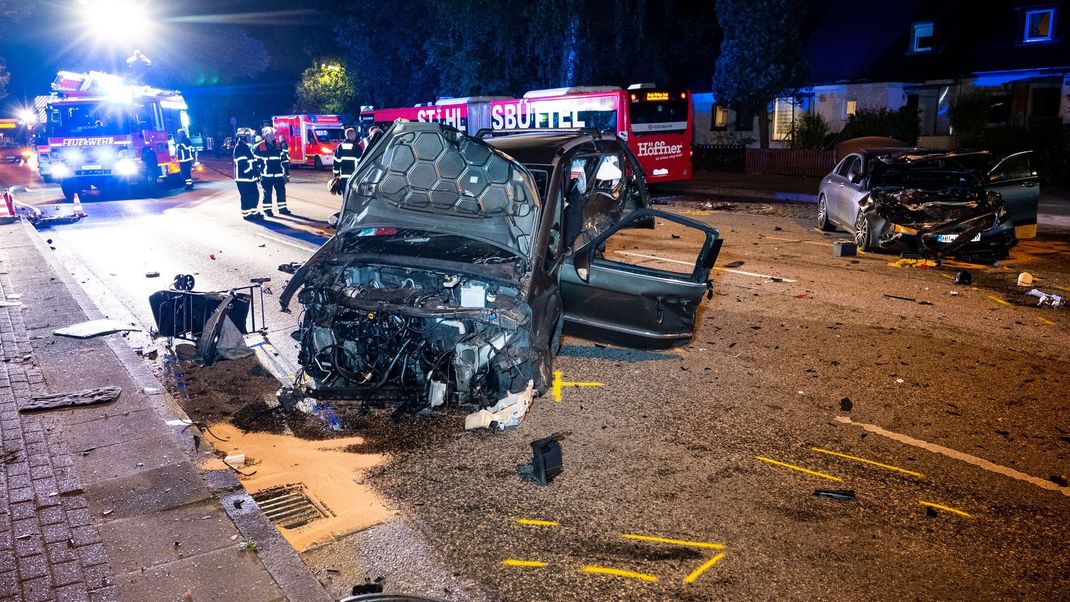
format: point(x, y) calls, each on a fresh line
point(278, 558)
point(741, 194)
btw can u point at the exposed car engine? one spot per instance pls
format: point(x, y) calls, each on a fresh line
point(422, 337)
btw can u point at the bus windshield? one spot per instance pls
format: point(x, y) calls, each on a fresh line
point(97, 119)
point(664, 116)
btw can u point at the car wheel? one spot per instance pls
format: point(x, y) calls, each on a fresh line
point(69, 190)
point(823, 222)
point(318, 164)
point(865, 239)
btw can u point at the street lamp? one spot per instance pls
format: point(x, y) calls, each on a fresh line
point(116, 22)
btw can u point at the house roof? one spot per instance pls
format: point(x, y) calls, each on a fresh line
point(864, 41)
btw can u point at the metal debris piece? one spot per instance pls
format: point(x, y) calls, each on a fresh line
point(93, 328)
point(546, 459)
point(836, 494)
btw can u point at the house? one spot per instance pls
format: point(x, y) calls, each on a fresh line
point(922, 55)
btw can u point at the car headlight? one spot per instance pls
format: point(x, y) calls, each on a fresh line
point(74, 156)
point(125, 167)
point(105, 155)
point(60, 170)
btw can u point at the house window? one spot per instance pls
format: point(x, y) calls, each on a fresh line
point(784, 111)
point(851, 108)
point(1039, 25)
point(720, 118)
point(922, 37)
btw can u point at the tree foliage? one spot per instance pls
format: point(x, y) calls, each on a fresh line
point(326, 87)
point(471, 47)
point(968, 116)
point(761, 55)
point(11, 12)
point(901, 124)
point(810, 132)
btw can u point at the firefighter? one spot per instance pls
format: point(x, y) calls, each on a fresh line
point(374, 133)
point(246, 174)
point(274, 169)
point(184, 148)
point(346, 155)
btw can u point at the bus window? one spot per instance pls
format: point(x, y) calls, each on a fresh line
point(660, 116)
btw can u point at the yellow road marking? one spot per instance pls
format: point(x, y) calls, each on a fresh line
point(945, 508)
point(675, 542)
point(558, 384)
point(998, 300)
point(1062, 288)
point(534, 522)
point(857, 459)
point(619, 573)
point(530, 563)
point(1046, 321)
point(799, 468)
point(702, 569)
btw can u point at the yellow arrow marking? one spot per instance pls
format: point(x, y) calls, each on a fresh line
point(857, 459)
point(676, 542)
point(534, 522)
point(618, 573)
point(798, 468)
point(526, 563)
point(944, 508)
point(702, 569)
point(559, 384)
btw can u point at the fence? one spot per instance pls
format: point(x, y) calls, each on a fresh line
point(719, 157)
point(790, 162)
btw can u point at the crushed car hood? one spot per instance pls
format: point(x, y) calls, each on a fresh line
point(430, 177)
point(936, 210)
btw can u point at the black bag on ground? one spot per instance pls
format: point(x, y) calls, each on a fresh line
point(183, 314)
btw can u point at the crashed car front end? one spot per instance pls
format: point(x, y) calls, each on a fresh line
point(421, 297)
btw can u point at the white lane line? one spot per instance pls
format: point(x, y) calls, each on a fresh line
point(283, 241)
point(951, 453)
point(692, 264)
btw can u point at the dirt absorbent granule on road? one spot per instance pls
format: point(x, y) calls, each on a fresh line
point(332, 478)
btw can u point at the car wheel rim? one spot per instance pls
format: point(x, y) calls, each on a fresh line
point(821, 211)
point(861, 232)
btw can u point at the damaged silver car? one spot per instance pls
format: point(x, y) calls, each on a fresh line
point(456, 267)
point(932, 203)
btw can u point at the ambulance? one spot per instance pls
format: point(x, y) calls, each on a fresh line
point(310, 139)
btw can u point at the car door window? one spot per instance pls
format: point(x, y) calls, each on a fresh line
point(1014, 167)
point(845, 166)
point(671, 247)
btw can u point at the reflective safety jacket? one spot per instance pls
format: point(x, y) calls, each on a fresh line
point(274, 159)
point(245, 166)
point(184, 149)
point(346, 155)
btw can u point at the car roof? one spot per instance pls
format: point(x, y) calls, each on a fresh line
point(540, 148)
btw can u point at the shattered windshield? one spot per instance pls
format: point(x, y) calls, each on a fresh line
point(935, 174)
point(423, 243)
point(426, 176)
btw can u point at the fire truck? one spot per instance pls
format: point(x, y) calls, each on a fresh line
point(96, 131)
point(656, 123)
point(310, 139)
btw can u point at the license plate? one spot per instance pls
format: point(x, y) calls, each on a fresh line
point(952, 237)
point(92, 167)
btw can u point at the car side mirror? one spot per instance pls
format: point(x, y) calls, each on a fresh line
point(333, 220)
point(854, 177)
point(582, 262)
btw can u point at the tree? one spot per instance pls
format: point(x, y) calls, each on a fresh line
point(11, 12)
point(969, 116)
point(761, 55)
point(326, 87)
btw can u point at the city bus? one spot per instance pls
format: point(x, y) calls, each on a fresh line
point(656, 123)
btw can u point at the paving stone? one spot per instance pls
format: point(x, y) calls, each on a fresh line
point(37, 590)
point(22, 510)
point(220, 575)
point(74, 592)
point(32, 566)
point(56, 533)
point(29, 546)
point(97, 576)
point(84, 536)
point(66, 573)
point(60, 552)
point(122, 459)
point(92, 555)
point(107, 594)
point(149, 491)
point(9, 583)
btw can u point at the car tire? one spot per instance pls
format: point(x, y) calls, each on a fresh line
point(865, 238)
point(823, 222)
point(317, 164)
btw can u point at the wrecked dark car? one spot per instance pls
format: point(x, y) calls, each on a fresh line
point(458, 263)
point(932, 203)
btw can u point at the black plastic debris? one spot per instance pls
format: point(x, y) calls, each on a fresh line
point(846, 404)
point(734, 264)
point(368, 587)
point(65, 400)
point(183, 282)
point(290, 268)
point(963, 277)
point(546, 459)
point(836, 494)
point(843, 248)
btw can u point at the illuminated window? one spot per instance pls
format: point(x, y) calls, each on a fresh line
point(1039, 25)
point(922, 37)
point(784, 112)
point(852, 108)
point(720, 118)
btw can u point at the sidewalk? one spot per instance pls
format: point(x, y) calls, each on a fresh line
point(108, 502)
point(748, 187)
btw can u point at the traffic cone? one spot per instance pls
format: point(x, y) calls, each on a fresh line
point(7, 210)
point(78, 206)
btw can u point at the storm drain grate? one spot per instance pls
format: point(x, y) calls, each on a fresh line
point(289, 506)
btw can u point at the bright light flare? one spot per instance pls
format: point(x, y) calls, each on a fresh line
point(116, 21)
point(27, 116)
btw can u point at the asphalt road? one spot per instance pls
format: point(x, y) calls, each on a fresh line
point(691, 474)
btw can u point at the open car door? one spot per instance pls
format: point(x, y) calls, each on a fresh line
point(639, 287)
point(1016, 181)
